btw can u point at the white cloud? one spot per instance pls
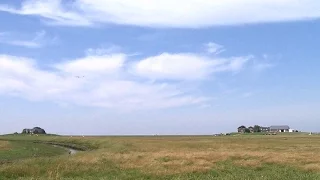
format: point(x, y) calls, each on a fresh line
point(100, 87)
point(186, 66)
point(49, 9)
point(167, 13)
point(174, 66)
point(112, 80)
point(93, 64)
point(38, 41)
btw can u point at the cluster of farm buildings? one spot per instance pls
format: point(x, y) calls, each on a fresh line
point(35, 130)
point(282, 128)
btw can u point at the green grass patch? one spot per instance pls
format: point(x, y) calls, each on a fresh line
point(110, 171)
point(25, 149)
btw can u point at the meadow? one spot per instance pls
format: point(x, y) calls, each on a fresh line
point(241, 157)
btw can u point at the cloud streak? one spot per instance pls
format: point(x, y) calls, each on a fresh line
point(213, 48)
point(38, 41)
point(166, 13)
point(186, 66)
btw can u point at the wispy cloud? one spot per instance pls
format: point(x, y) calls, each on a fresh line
point(28, 44)
point(101, 51)
point(263, 64)
point(39, 40)
point(167, 13)
point(214, 48)
point(113, 80)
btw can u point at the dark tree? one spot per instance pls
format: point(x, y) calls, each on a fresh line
point(25, 131)
point(247, 130)
point(256, 128)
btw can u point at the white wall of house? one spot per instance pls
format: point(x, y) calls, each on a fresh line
point(284, 130)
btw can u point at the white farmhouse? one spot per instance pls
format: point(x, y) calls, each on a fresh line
point(282, 128)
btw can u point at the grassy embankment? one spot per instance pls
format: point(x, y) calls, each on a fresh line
point(16, 150)
point(195, 157)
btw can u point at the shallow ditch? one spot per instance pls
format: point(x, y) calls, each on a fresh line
point(70, 150)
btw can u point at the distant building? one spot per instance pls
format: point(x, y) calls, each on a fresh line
point(282, 128)
point(251, 129)
point(241, 129)
point(293, 130)
point(272, 129)
point(264, 129)
point(35, 130)
point(26, 131)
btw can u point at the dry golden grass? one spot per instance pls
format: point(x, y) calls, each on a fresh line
point(4, 145)
point(312, 167)
point(160, 155)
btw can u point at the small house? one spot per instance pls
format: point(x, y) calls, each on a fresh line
point(251, 129)
point(282, 128)
point(293, 130)
point(241, 129)
point(26, 131)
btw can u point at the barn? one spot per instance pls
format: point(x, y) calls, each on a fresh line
point(282, 128)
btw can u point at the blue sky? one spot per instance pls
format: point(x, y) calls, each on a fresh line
point(151, 67)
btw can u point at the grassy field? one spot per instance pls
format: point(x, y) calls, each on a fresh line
point(169, 157)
